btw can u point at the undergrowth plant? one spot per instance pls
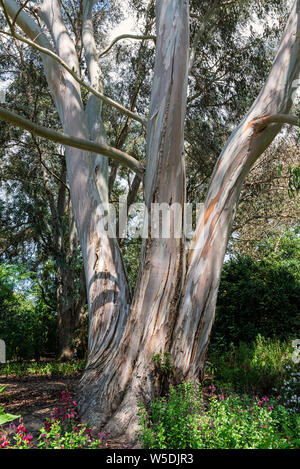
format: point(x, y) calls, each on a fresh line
point(187, 418)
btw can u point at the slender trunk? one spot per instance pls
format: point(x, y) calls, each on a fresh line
point(65, 310)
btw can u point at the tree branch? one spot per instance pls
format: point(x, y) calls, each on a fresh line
point(34, 32)
point(262, 122)
point(126, 36)
point(46, 167)
point(82, 144)
point(99, 95)
point(18, 12)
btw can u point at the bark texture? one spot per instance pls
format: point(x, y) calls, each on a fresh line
point(129, 377)
point(246, 144)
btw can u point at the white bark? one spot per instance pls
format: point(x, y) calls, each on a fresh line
point(107, 286)
point(246, 144)
point(129, 375)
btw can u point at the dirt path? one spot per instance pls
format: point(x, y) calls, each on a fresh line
point(35, 397)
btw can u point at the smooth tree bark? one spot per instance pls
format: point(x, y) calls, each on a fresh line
point(173, 306)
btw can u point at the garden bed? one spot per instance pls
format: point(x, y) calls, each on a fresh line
point(35, 397)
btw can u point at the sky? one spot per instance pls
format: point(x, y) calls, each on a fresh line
point(127, 25)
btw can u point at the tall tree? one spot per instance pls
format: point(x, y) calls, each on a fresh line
point(173, 305)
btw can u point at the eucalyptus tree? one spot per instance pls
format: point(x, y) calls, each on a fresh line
point(172, 308)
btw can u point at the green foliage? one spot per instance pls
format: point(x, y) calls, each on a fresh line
point(294, 181)
point(225, 422)
point(260, 296)
point(27, 325)
point(4, 417)
point(27, 329)
point(62, 430)
point(171, 421)
point(255, 368)
point(59, 438)
point(164, 372)
point(44, 368)
point(163, 363)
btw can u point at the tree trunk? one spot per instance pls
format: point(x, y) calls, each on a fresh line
point(166, 315)
point(65, 311)
point(116, 387)
point(251, 138)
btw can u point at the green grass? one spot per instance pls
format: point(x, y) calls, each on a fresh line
point(42, 368)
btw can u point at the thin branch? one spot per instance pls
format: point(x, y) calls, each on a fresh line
point(6, 16)
point(82, 144)
point(45, 166)
point(105, 99)
point(276, 119)
point(126, 36)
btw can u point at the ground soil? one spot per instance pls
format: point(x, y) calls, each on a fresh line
point(35, 397)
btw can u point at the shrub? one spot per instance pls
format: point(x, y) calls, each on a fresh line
point(27, 325)
point(182, 421)
point(257, 297)
point(4, 417)
point(256, 368)
point(62, 430)
point(172, 421)
point(43, 368)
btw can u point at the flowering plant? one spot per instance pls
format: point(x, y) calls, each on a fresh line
point(62, 430)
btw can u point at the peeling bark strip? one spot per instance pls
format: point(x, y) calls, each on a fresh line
point(246, 144)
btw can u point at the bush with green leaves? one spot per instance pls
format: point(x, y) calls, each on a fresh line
point(289, 390)
point(27, 325)
point(255, 368)
point(5, 417)
point(259, 297)
point(172, 421)
point(185, 420)
point(42, 368)
point(62, 430)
